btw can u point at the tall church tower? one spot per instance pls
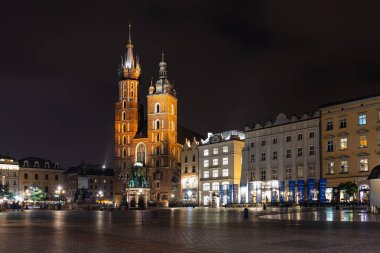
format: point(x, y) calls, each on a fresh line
point(126, 117)
point(163, 149)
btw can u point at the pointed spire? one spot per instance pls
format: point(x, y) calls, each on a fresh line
point(162, 56)
point(130, 60)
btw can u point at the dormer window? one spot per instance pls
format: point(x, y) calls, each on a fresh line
point(47, 166)
point(36, 164)
point(26, 163)
point(56, 165)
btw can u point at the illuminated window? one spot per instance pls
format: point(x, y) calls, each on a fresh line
point(205, 163)
point(225, 173)
point(299, 171)
point(206, 174)
point(362, 119)
point(311, 150)
point(363, 141)
point(225, 149)
point(215, 151)
point(343, 123)
point(225, 185)
point(288, 173)
point(215, 161)
point(330, 168)
point(215, 186)
point(299, 152)
point(343, 166)
point(215, 173)
point(205, 152)
point(343, 143)
point(364, 164)
point(206, 186)
point(172, 106)
point(225, 161)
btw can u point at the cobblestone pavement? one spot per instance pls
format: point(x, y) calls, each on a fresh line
point(181, 230)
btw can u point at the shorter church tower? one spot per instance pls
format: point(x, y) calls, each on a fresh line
point(163, 149)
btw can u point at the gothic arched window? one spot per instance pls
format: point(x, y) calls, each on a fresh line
point(193, 158)
point(185, 159)
point(124, 152)
point(140, 153)
point(124, 116)
point(124, 104)
point(125, 140)
point(158, 137)
point(157, 124)
point(124, 128)
point(157, 109)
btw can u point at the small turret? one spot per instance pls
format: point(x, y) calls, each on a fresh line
point(130, 64)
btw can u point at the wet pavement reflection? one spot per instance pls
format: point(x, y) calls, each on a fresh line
point(189, 230)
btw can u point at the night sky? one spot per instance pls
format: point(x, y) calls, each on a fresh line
point(233, 62)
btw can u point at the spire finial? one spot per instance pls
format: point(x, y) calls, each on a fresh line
point(162, 56)
point(129, 32)
point(151, 81)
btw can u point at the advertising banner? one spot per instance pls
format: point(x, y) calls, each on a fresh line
point(301, 190)
point(292, 190)
point(322, 190)
point(221, 194)
point(281, 189)
point(310, 189)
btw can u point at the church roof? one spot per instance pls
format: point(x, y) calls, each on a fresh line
point(142, 131)
point(185, 133)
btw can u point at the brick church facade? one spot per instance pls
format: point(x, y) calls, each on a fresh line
point(149, 141)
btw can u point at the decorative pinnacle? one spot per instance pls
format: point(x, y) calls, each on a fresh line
point(162, 56)
point(151, 81)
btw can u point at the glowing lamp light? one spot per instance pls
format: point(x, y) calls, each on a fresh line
point(189, 193)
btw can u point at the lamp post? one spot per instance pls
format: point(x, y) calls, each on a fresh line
point(59, 192)
point(100, 196)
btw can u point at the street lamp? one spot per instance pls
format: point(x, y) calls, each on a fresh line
point(100, 196)
point(59, 192)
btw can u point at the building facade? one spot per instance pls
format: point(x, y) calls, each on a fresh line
point(190, 171)
point(41, 173)
point(89, 183)
point(220, 167)
point(9, 173)
point(350, 132)
point(150, 142)
point(281, 160)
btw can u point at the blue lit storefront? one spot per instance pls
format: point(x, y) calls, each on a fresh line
point(291, 191)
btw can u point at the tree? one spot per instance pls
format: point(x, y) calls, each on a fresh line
point(348, 188)
point(5, 193)
point(38, 194)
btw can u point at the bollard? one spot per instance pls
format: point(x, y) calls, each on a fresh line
point(245, 213)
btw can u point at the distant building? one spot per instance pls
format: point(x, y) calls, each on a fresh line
point(39, 172)
point(281, 160)
point(9, 171)
point(220, 167)
point(88, 182)
point(190, 171)
point(350, 134)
